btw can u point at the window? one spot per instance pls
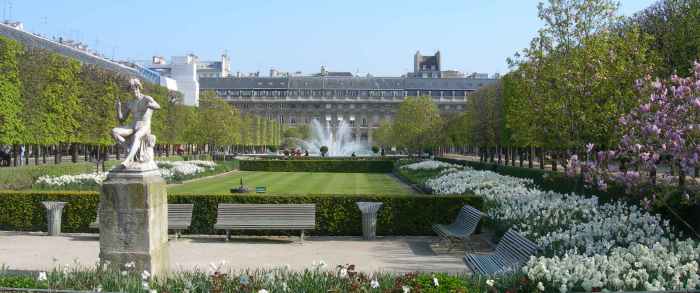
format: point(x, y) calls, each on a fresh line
point(364, 122)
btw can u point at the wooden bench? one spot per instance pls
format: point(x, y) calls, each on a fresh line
point(179, 218)
point(512, 252)
point(464, 226)
point(265, 217)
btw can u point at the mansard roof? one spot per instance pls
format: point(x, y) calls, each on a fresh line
point(344, 83)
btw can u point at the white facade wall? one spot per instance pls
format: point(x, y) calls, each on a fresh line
point(184, 71)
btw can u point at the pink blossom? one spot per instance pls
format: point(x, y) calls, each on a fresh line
point(645, 108)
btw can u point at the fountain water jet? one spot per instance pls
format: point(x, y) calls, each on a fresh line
point(339, 142)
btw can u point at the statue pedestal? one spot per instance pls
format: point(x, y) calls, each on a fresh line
point(134, 220)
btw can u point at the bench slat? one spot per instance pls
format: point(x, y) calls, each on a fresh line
point(512, 251)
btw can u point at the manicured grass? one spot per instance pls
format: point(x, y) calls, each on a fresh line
point(299, 183)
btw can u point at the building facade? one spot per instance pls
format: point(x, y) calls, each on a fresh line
point(182, 69)
point(362, 102)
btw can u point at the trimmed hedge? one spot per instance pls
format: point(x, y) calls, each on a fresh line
point(343, 166)
point(335, 214)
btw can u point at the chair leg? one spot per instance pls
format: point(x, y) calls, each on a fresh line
point(302, 236)
point(450, 245)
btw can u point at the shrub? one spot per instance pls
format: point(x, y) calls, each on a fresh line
point(346, 166)
point(335, 214)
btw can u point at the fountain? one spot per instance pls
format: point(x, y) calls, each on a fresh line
point(339, 141)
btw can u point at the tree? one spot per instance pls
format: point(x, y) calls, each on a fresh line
point(99, 90)
point(384, 135)
point(675, 25)
point(415, 122)
point(292, 135)
point(323, 150)
point(51, 95)
point(11, 125)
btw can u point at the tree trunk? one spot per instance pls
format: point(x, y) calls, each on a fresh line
point(44, 150)
point(56, 154)
point(36, 154)
point(681, 177)
point(15, 154)
point(520, 156)
point(541, 158)
point(74, 152)
point(554, 160)
point(498, 151)
point(530, 153)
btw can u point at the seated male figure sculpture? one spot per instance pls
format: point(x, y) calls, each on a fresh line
point(139, 132)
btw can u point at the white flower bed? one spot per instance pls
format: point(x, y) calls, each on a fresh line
point(593, 245)
point(70, 180)
point(429, 165)
point(653, 268)
point(168, 170)
point(180, 169)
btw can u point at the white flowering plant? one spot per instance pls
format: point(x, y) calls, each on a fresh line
point(171, 171)
point(587, 244)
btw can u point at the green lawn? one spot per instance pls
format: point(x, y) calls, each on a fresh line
point(299, 183)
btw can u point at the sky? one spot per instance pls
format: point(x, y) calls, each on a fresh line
point(364, 36)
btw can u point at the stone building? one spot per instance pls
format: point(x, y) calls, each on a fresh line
point(331, 97)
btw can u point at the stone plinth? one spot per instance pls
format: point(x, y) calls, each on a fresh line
point(134, 220)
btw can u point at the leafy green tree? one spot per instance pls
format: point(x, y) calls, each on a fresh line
point(675, 26)
point(51, 97)
point(218, 121)
point(384, 134)
point(11, 125)
point(415, 122)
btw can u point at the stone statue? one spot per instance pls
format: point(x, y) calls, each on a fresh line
point(138, 134)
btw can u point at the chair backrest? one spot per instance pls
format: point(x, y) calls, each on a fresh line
point(515, 248)
point(467, 219)
point(268, 215)
point(180, 214)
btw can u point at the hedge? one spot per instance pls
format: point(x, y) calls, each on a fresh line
point(335, 214)
point(346, 166)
